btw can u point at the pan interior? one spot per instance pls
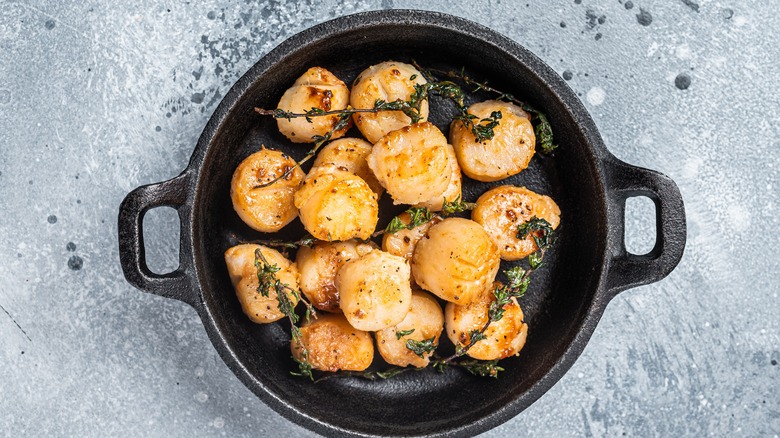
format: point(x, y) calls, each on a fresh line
point(555, 305)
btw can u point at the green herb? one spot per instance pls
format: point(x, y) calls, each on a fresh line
point(267, 279)
point(456, 206)
point(308, 240)
point(417, 217)
point(319, 140)
point(542, 128)
point(368, 375)
point(482, 368)
point(539, 229)
point(266, 274)
point(483, 129)
point(401, 333)
point(420, 348)
point(395, 226)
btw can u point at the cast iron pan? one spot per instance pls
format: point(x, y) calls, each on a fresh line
point(588, 266)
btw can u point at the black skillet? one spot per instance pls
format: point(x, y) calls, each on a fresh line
point(588, 266)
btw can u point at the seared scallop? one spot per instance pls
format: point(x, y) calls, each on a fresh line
point(318, 265)
point(412, 163)
point(240, 262)
point(502, 209)
point(388, 81)
point(335, 204)
point(506, 154)
point(265, 209)
point(374, 290)
point(425, 321)
point(350, 154)
point(453, 189)
point(402, 243)
point(334, 345)
point(316, 88)
point(456, 260)
point(503, 338)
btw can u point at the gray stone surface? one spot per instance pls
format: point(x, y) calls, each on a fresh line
point(97, 98)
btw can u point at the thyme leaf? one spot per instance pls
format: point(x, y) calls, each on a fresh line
point(482, 368)
point(539, 229)
point(401, 333)
point(456, 206)
point(482, 129)
point(417, 217)
point(420, 348)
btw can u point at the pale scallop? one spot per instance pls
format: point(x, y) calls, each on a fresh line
point(388, 81)
point(453, 191)
point(316, 88)
point(402, 242)
point(502, 209)
point(374, 290)
point(412, 163)
point(504, 338)
point(426, 319)
point(350, 154)
point(318, 265)
point(240, 261)
point(265, 209)
point(334, 345)
point(456, 260)
point(506, 154)
point(335, 204)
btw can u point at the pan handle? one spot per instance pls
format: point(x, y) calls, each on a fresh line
point(179, 284)
point(629, 270)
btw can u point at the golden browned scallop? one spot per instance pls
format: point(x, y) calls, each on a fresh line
point(453, 190)
point(502, 209)
point(266, 209)
point(506, 154)
point(402, 243)
point(318, 265)
point(388, 81)
point(412, 163)
point(456, 260)
point(374, 290)
point(350, 154)
point(426, 319)
point(334, 345)
point(316, 88)
point(336, 205)
point(504, 338)
point(240, 262)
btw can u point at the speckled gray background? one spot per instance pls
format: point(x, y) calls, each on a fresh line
point(97, 98)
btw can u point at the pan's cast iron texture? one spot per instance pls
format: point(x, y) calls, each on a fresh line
point(588, 266)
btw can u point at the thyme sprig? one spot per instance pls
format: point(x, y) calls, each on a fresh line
point(420, 348)
point(368, 375)
point(319, 141)
point(420, 215)
point(417, 217)
point(456, 206)
point(542, 127)
point(541, 231)
point(267, 280)
point(307, 240)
